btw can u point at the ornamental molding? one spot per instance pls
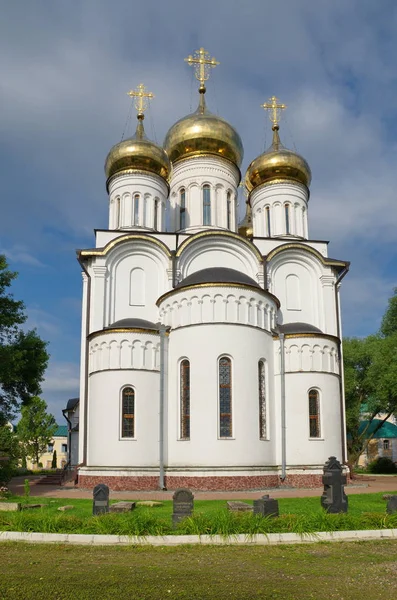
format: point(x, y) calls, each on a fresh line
point(229, 285)
point(125, 238)
point(135, 330)
point(329, 262)
point(227, 234)
point(145, 174)
point(325, 336)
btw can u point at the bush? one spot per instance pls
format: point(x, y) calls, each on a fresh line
point(382, 465)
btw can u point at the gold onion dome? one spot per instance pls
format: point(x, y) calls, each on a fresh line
point(203, 133)
point(245, 228)
point(277, 163)
point(137, 153)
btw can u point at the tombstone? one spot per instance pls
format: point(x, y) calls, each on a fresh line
point(237, 506)
point(122, 507)
point(182, 505)
point(266, 506)
point(334, 499)
point(391, 507)
point(100, 499)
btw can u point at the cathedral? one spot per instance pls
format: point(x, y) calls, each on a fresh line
point(211, 349)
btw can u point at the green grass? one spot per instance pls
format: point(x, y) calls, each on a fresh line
point(337, 571)
point(297, 515)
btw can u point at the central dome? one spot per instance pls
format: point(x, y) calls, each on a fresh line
point(203, 133)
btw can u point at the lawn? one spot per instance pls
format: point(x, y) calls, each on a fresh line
point(300, 515)
point(60, 572)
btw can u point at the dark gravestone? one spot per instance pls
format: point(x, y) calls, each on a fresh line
point(182, 505)
point(266, 506)
point(391, 507)
point(100, 499)
point(334, 499)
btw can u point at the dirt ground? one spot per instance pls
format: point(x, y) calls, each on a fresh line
point(360, 485)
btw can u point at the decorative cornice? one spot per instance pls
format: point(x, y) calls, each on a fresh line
point(95, 334)
point(198, 155)
point(332, 338)
point(330, 262)
point(126, 172)
point(229, 234)
point(124, 238)
point(284, 181)
point(231, 285)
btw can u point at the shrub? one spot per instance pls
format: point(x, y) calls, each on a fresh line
point(382, 465)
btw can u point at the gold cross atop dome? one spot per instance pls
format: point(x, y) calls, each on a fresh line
point(202, 63)
point(142, 97)
point(275, 107)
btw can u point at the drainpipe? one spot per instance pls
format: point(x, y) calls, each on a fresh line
point(163, 366)
point(342, 372)
point(87, 331)
point(283, 415)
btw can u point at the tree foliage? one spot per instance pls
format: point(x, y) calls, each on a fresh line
point(370, 382)
point(9, 453)
point(36, 429)
point(23, 355)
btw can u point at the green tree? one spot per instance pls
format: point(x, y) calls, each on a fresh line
point(23, 356)
point(36, 428)
point(370, 382)
point(54, 460)
point(9, 453)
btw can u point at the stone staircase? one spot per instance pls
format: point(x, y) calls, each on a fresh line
point(55, 478)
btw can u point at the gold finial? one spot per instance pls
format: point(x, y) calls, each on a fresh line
point(141, 96)
point(202, 65)
point(275, 108)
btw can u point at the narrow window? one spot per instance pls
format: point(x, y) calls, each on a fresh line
point(287, 218)
point(128, 413)
point(225, 397)
point(267, 210)
point(156, 214)
point(386, 445)
point(262, 399)
point(136, 209)
point(185, 399)
point(144, 202)
point(182, 209)
point(314, 414)
point(118, 214)
point(229, 209)
point(206, 205)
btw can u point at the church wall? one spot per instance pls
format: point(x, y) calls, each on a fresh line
point(124, 350)
point(203, 345)
point(191, 175)
point(218, 304)
point(106, 448)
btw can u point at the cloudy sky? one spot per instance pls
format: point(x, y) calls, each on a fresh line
point(65, 70)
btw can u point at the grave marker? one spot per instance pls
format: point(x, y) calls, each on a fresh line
point(266, 506)
point(334, 499)
point(182, 505)
point(100, 499)
point(391, 507)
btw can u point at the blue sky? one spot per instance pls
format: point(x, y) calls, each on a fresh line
point(65, 70)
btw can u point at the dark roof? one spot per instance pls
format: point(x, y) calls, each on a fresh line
point(72, 403)
point(133, 324)
point(387, 430)
point(299, 328)
point(217, 275)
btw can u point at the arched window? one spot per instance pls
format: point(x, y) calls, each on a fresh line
point(144, 203)
point(206, 205)
point(225, 397)
point(314, 413)
point(262, 399)
point(184, 394)
point(136, 209)
point(182, 209)
point(156, 214)
point(267, 211)
point(128, 413)
point(287, 218)
point(229, 209)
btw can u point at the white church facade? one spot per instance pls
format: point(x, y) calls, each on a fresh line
point(210, 350)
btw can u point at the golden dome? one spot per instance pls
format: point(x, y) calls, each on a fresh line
point(277, 163)
point(245, 228)
point(139, 154)
point(203, 133)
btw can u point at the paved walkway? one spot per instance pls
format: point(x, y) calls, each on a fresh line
point(361, 485)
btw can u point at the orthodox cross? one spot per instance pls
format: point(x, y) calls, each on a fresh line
point(202, 63)
point(141, 96)
point(275, 108)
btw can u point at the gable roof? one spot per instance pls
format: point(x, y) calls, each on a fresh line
point(388, 430)
point(62, 431)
